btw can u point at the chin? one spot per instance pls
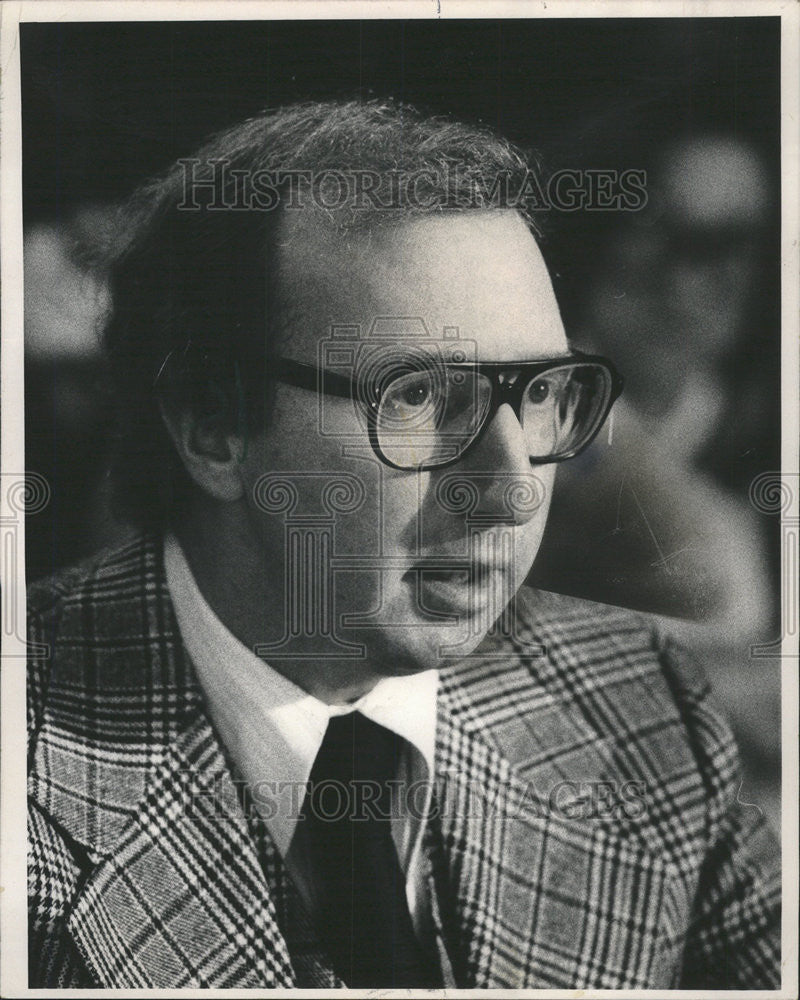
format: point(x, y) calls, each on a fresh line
point(407, 640)
point(404, 650)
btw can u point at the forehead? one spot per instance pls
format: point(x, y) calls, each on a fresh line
point(478, 273)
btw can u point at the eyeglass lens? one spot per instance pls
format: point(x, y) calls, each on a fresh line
point(429, 417)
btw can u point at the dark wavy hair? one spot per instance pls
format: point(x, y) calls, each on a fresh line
point(192, 269)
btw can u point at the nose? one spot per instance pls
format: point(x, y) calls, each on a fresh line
point(508, 489)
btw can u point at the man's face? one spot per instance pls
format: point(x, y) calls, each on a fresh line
point(475, 276)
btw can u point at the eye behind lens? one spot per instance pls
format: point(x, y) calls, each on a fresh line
point(538, 391)
point(426, 422)
point(563, 409)
point(415, 394)
point(410, 403)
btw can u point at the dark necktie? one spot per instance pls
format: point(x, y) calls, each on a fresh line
point(365, 922)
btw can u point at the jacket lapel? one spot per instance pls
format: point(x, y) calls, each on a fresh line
point(128, 767)
point(532, 892)
point(182, 900)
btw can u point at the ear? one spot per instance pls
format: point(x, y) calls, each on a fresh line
point(211, 453)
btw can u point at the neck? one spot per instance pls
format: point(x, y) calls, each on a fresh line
point(244, 586)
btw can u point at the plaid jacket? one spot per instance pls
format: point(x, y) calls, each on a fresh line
point(587, 832)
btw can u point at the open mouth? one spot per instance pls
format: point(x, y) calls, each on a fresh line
point(455, 576)
point(461, 590)
point(475, 575)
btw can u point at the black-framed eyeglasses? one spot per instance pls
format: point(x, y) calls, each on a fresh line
point(430, 416)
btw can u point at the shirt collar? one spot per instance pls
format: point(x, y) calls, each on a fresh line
point(270, 727)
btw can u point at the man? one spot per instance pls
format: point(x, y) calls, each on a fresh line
point(297, 733)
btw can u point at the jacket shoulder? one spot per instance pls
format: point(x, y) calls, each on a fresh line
point(596, 697)
point(86, 580)
point(596, 640)
point(72, 609)
point(599, 633)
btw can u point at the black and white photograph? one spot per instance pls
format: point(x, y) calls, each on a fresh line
point(328, 662)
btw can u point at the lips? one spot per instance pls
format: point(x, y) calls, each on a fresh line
point(447, 575)
point(456, 590)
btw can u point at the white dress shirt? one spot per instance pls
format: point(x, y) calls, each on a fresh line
point(272, 731)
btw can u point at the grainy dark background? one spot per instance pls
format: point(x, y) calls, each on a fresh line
point(106, 104)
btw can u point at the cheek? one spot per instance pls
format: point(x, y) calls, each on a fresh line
point(546, 476)
point(289, 440)
point(532, 532)
point(326, 475)
point(407, 521)
point(300, 437)
point(387, 521)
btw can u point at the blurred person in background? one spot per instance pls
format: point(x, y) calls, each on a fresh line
point(66, 404)
point(676, 293)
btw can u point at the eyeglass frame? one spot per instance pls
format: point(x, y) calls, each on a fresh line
point(324, 381)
